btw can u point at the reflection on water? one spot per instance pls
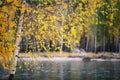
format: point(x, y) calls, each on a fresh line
point(68, 70)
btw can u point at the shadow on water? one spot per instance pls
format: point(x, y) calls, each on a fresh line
point(65, 70)
point(3, 74)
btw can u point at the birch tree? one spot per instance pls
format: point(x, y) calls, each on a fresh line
point(18, 39)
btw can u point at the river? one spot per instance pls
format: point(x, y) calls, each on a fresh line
point(65, 70)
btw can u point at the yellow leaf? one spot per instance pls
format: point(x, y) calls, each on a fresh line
point(9, 1)
point(16, 3)
point(23, 9)
point(4, 9)
point(111, 16)
point(0, 2)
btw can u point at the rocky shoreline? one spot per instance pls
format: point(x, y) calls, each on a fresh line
point(85, 59)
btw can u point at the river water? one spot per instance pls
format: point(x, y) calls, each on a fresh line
point(65, 70)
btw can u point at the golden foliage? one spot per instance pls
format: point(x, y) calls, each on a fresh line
point(7, 31)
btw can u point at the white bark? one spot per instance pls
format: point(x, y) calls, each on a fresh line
point(61, 24)
point(63, 13)
point(18, 39)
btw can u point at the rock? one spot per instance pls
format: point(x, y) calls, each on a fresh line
point(82, 51)
point(115, 54)
point(86, 59)
point(102, 57)
point(77, 50)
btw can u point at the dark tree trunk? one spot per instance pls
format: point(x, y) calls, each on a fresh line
point(26, 44)
point(119, 47)
point(95, 44)
point(112, 44)
point(11, 77)
point(87, 43)
point(117, 42)
point(34, 44)
point(83, 39)
point(104, 43)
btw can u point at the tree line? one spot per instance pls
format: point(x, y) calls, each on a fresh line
point(60, 25)
point(69, 24)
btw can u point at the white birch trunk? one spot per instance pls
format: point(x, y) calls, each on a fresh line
point(63, 13)
point(18, 39)
point(61, 24)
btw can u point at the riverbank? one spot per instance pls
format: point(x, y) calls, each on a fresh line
point(69, 56)
point(106, 55)
point(59, 59)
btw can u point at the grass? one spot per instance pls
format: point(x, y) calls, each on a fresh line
point(106, 55)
